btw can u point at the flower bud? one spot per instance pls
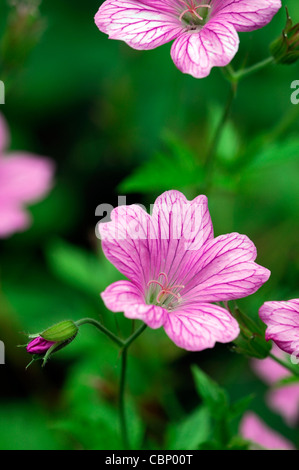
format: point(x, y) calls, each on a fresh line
point(39, 345)
point(62, 331)
point(251, 340)
point(52, 339)
point(285, 49)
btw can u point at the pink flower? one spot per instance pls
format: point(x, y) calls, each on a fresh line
point(39, 345)
point(283, 399)
point(282, 320)
point(205, 31)
point(176, 269)
point(253, 429)
point(24, 179)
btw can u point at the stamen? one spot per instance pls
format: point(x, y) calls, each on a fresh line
point(155, 282)
point(165, 288)
point(165, 276)
point(166, 291)
point(192, 9)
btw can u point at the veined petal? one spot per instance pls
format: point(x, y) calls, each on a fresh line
point(224, 269)
point(126, 242)
point(196, 53)
point(140, 25)
point(181, 228)
point(24, 177)
point(198, 326)
point(121, 294)
point(282, 320)
point(245, 15)
point(153, 315)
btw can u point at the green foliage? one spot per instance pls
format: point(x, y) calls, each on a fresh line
point(191, 432)
point(176, 167)
point(116, 119)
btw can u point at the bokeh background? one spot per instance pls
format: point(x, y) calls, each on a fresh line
point(122, 122)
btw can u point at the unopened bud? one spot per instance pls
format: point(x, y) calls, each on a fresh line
point(285, 49)
point(52, 339)
point(251, 340)
point(62, 331)
point(39, 345)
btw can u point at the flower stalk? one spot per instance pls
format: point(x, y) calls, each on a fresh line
point(124, 345)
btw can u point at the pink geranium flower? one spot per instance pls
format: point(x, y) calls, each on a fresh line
point(253, 429)
point(24, 179)
point(205, 31)
point(282, 320)
point(177, 269)
point(283, 399)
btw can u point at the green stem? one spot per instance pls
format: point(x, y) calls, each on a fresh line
point(214, 145)
point(124, 344)
point(135, 335)
point(122, 414)
point(123, 421)
point(285, 365)
point(237, 76)
point(100, 327)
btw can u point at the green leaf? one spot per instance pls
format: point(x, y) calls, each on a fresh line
point(175, 168)
point(229, 143)
point(213, 396)
point(79, 268)
point(191, 432)
point(275, 154)
point(240, 406)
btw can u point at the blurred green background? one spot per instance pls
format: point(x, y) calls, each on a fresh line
point(122, 122)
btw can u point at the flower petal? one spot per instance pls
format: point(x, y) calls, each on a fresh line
point(246, 15)
point(282, 320)
point(253, 429)
point(224, 269)
point(141, 25)
point(198, 326)
point(121, 294)
point(285, 401)
point(24, 177)
point(196, 53)
point(124, 296)
point(153, 315)
point(181, 228)
point(268, 370)
point(126, 242)
point(12, 219)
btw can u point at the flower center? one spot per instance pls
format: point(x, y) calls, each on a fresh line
point(193, 14)
point(168, 295)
